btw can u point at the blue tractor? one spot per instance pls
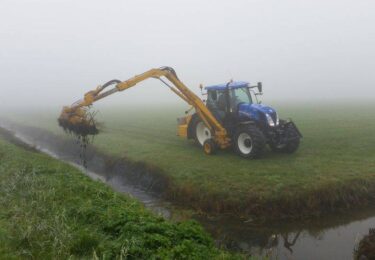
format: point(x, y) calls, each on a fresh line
point(250, 125)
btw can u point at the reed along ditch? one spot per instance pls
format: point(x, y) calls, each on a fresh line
point(336, 236)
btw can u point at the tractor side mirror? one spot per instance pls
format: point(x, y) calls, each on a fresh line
point(260, 87)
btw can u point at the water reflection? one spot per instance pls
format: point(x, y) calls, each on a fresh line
point(288, 244)
point(333, 237)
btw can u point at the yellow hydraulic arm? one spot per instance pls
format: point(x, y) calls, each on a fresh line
point(74, 117)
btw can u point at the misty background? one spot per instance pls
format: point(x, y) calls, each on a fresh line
point(52, 52)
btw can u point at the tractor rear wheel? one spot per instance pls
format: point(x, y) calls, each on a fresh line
point(291, 146)
point(249, 141)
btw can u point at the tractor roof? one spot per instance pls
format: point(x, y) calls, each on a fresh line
point(231, 85)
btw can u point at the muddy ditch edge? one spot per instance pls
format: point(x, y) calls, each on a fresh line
point(140, 174)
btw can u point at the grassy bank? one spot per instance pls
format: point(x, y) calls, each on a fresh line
point(49, 209)
point(334, 167)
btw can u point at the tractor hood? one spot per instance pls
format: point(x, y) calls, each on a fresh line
point(256, 112)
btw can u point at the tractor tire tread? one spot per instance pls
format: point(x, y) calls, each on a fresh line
point(258, 140)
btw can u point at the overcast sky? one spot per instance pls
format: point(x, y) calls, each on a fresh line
point(52, 51)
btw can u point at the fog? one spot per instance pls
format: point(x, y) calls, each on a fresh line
point(52, 52)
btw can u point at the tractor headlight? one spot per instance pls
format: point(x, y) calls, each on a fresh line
point(270, 120)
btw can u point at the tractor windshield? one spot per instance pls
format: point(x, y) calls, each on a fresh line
point(240, 95)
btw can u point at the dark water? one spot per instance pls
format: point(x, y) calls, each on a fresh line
point(331, 237)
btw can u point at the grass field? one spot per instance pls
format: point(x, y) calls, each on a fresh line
point(334, 167)
point(50, 210)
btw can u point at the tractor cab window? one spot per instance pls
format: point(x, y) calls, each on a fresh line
point(216, 99)
point(212, 96)
point(239, 95)
point(221, 100)
point(217, 103)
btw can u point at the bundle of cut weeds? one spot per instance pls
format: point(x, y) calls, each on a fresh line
point(78, 121)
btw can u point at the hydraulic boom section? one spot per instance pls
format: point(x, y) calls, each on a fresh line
point(76, 118)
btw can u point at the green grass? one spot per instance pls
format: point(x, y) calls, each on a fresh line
point(335, 165)
point(50, 210)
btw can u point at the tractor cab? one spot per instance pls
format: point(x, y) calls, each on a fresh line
point(228, 96)
point(225, 100)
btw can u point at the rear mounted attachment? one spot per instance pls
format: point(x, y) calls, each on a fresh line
point(78, 121)
point(81, 123)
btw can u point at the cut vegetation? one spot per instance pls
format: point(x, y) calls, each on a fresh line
point(334, 168)
point(50, 210)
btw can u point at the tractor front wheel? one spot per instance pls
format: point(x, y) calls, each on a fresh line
point(249, 141)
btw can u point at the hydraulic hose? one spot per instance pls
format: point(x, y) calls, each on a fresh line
point(111, 82)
